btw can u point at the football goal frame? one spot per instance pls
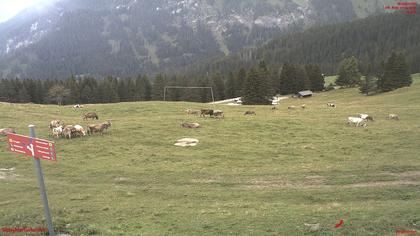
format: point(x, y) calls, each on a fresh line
point(182, 87)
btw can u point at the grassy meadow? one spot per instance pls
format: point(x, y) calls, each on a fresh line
point(268, 174)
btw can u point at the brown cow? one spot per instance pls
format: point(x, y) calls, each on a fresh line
point(55, 124)
point(69, 131)
point(98, 128)
point(250, 113)
point(205, 112)
point(90, 115)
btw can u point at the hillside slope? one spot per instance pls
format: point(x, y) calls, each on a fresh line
point(266, 174)
point(371, 40)
point(128, 37)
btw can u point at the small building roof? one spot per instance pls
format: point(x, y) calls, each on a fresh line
point(305, 93)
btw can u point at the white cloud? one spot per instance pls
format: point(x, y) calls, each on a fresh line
point(9, 8)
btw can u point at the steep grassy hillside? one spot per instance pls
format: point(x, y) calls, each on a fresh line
point(267, 174)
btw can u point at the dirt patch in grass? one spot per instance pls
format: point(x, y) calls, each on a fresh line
point(319, 182)
point(8, 174)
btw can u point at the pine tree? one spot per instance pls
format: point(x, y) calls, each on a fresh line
point(316, 78)
point(348, 73)
point(157, 89)
point(231, 86)
point(86, 96)
point(24, 96)
point(286, 79)
point(219, 87)
point(255, 92)
point(266, 89)
point(395, 73)
point(369, 85)
point(240, 82)
point(110, 90)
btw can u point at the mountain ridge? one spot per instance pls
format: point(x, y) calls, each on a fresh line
point(126, 37)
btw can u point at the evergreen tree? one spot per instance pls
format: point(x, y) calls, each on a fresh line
point(158, 88)
point(369, 84)
point(231, 86)
point(218, 87)
point(348, 73)
point(24, 96)
point(110, 90)
point(286, 79)
point(395, 74)
point(240, 82)
point(316, 78)
point(75, 89)
point(87, 95)
point(255, 92)
point(266, 88)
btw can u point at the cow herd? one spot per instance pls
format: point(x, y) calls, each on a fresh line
point(59, 129)
point(360, 121)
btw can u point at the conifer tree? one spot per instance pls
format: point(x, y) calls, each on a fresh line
point(231, 86)
point(255, 91)
point(395, 74)
point(24, 96)
point(157, 89)
point(348, 73)
point(315, 77)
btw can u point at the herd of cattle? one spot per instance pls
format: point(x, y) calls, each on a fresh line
point(59, 129)
point(361, 120)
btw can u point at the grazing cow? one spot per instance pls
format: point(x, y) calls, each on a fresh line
point(291, 107)
point(98, 128)
point(77, 106)
point(303, 106)
point(366, 117)
point(90, 115)
point(6, 131)
point(192, 112)
point(55, 124)
point(218, 114)
point(205, 112)
point(190, 125)
point(57, 132)
point(80, 130)
point(250, 113)
point(68, 131)
point(331, 104)
point(273, 108)
point(357, 121)
point(393, 117)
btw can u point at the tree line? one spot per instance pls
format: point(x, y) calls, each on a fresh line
point(257, 85)
point(371, 40)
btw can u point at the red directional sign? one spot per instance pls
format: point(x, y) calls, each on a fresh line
point(34, 147)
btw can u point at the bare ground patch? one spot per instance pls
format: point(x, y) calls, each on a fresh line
point(8, 174)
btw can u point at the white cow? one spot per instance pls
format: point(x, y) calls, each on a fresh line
point(57, 131)
point(393, 117)
point(366, 117)
point(357, 121)
point(80, 130)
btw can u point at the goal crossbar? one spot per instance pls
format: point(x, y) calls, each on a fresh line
point(183, 87)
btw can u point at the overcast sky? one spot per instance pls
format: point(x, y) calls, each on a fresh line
point(9, 8)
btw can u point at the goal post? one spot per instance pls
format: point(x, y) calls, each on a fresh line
point(182, 87)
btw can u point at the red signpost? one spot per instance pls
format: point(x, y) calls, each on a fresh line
point(32, 147)
point(38, 149)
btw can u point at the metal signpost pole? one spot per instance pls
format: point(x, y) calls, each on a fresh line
point(42, 186)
